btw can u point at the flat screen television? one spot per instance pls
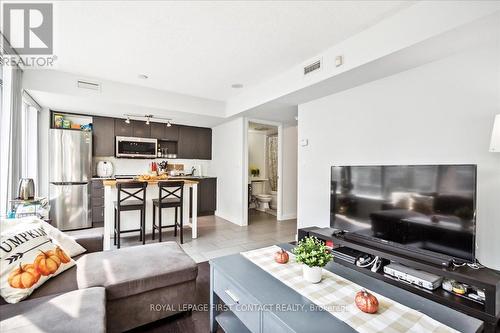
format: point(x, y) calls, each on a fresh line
point(429, 207)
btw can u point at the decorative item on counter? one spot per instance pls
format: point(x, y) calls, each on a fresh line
point(314, 255)
point(163, 165)
point(281, 257)
point(66, 123)
point(160, 152)
point(58, 120)
point(366, 302)
point(86, 128)
point(154, 168)
point(255, 172)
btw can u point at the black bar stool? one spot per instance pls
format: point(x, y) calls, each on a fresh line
point(171, 195)
point(126, 202)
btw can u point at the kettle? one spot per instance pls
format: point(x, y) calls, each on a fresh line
point(26, 189)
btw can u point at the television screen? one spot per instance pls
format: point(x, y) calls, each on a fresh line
point(430, 207)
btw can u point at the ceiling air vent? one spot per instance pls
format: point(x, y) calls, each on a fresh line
point(315, 66)
point(88, 85)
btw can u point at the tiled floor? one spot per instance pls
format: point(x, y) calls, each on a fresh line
point(218, 237)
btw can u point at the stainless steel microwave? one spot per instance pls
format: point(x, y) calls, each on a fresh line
point(131, 147)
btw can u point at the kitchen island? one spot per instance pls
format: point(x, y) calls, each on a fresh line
point(130, 220)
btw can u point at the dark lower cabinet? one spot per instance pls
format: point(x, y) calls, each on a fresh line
point(103, 139)
point(207, 196)
point(97, 200)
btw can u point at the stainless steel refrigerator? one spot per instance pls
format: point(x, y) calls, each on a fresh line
point(70, 154)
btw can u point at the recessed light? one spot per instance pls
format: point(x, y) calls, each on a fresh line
point(143, 76)
point(237, 86)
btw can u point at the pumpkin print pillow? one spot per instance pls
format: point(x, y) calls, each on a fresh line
point(28, 258)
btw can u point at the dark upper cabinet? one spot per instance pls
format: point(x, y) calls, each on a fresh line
point(161, 131)
point(204, 143)
point(171, 133)
point(195, 142)
point(140, 129)
point(103, 136)
point(122, 128)
point(158, 131)
point(186, 147)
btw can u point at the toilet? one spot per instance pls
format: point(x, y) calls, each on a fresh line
point(263, 201)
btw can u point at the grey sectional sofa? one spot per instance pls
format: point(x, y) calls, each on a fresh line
point(111, 291)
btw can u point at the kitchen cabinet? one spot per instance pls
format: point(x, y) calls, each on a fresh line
point(97, 199)
point(122, 128)
point(195, 143)
point(204, 143)
point(157, 131)
point(186, 148)
point(171, 133)
point(140, 129)
point(162, 132)
point(207, 196)
point(103, 136)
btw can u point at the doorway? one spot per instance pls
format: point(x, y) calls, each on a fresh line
point(263, 170)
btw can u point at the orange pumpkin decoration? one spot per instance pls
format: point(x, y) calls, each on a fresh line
point(47, 262)
point(62, 255)
point(23, 277)
point(281, 257)
point(366, 302)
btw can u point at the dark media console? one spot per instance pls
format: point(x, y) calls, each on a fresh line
point(484, 279)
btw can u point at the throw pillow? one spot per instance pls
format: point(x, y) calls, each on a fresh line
point(28, 258)
point(67, 243)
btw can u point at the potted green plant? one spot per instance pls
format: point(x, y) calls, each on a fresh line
point(314, 255)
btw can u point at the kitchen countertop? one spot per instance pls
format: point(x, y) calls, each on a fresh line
point(112, 182)
point(171, 177)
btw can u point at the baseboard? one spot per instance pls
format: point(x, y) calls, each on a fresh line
point(226, 217)
point(285, 217)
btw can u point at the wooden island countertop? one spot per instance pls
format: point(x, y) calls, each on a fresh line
point(112, 182)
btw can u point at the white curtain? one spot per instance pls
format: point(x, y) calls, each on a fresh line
point(10, 136)
point(272, 165)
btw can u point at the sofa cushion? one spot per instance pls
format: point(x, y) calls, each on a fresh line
point(75, 311)
point(134, 270)
point(28, 259)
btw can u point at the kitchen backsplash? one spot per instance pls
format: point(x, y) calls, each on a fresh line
point(124, 166)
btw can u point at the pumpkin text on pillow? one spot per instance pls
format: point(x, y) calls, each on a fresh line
point(28, 259)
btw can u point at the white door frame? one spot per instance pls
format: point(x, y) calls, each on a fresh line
point(245, 166)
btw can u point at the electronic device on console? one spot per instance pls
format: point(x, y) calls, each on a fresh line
point(413, 276)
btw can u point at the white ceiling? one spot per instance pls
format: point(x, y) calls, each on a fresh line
point(200, 48)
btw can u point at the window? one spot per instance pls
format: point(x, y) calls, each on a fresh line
point(29, 141)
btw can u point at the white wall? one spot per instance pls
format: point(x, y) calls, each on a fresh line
point(289, 197)
point(227, 163)
point(125, 166)
point(438, 113)
point(257, 142)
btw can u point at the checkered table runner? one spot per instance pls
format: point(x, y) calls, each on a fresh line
point(336, 295)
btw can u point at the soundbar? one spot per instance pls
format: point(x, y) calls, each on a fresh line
point(423, 255)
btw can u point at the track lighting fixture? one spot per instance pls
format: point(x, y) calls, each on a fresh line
point(127, 121)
